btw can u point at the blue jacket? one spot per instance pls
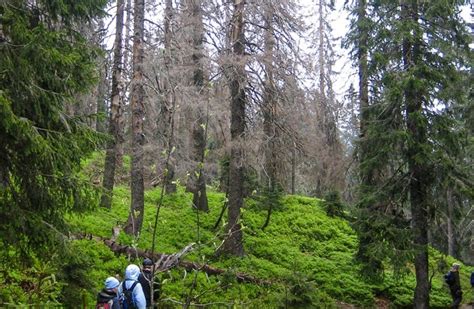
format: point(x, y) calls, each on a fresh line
point(131, 275)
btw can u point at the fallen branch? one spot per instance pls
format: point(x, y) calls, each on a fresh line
point(167, 261)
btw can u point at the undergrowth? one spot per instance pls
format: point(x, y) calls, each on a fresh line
point(305, 257)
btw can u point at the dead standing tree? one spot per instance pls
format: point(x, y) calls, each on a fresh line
point(137, 207)
point(196, 182)
point(168, 104)
point(233, 243)
point(116, 105)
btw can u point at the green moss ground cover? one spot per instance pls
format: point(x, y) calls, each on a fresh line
point(307, 255)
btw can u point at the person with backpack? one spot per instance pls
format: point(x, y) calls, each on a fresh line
point(454, 283)
point(108, 298)
point(131, 290)
point(146, 280)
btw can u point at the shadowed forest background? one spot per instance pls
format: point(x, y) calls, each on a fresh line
point(214, 130)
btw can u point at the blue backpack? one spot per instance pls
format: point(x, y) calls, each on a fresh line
point(472, 279)
point(449, 278)
point(127, 300)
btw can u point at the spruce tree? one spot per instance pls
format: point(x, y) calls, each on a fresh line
point(419, 56)
point(45, 62)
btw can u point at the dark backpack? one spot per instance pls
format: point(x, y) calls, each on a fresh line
point(472, 279)
point(449, 278)
point(106, 305)
point(128, 297)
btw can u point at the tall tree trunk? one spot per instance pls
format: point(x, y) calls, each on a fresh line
point(269, 104)
point(362, 56)
point(363, 67)
point(269, 113)
point(233, 243)
point(451, 239)
point(416, 155)
point(199, 128)
point(135, 218)
point(167, 107)
point(293, 169)
point(326, 120)
point(126, 77)
point(321, 60)
point(115, 112)
point(101, 104)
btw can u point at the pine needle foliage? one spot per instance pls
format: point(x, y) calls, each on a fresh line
point(418, 66)
point(44, 63)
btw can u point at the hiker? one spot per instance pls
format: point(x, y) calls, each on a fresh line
point(146, 280)
point(131, 290)
point(108, 297)
point(452, 279)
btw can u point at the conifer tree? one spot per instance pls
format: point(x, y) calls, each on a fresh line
point(45, 62)
point(137, 207)
point(233, 243)
point(116, 105)
point(416, 79)
point(199, 129)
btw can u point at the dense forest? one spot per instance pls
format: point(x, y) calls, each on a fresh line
point(255, 155)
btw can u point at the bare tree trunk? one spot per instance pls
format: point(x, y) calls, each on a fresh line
point(233, 243)
point(362, 54)
point(101, 103)
point(101, 106)
point(115, 129)
point(269, 104)
point(416, 165)
point(363, 67)
point(126, 77)
point(135, 218)
point(293, 169)
point(451, 239)
point(269, 113)
point(167, 108)
point(199, 128)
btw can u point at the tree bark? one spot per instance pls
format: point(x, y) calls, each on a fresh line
point(167, 108)
point(363, 66)
point(199, 128)
point(233, 243)
point(115, 129)
point(135, 218)
point(451, 239)
point(416, 156)
point(326, 119)
point(269, 114)
point(102, 89)
point(126, 76)
point(293, 169)
point(269, 104)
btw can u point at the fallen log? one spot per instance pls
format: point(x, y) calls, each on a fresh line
point(164, 262)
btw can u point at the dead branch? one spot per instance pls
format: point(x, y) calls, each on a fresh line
point(167, 261)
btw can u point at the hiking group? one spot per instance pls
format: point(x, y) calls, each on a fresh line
point(135, 291)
